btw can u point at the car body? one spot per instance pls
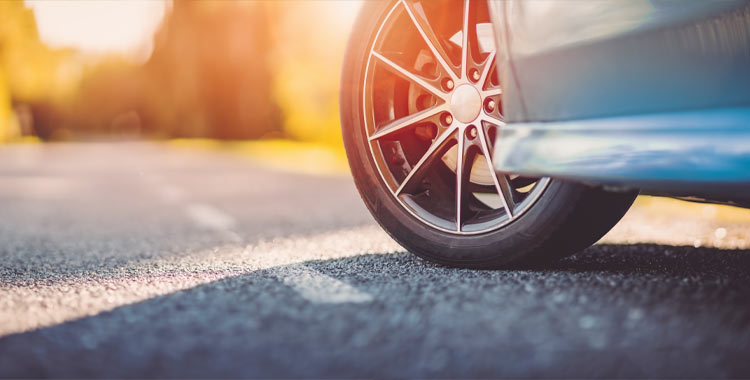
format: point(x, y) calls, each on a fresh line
point(652, 94)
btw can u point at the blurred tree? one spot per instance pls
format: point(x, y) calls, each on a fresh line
point(309, 41)
point(219, 69)
point(207, 77)
point(9, 128)
point(210, 69)
point(17, 29)
point(30, 72)
point(111, 88)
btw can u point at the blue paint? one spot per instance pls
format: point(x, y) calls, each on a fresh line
point(709, 146)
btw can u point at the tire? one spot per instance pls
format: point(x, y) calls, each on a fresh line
point(561, 219)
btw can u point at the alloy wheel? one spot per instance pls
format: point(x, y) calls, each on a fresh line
point(433, 109)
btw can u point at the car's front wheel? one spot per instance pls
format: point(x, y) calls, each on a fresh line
point(421, 106)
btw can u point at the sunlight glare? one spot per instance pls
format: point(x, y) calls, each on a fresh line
point(100, 27)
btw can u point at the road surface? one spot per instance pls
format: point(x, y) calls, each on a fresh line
point(141, 260)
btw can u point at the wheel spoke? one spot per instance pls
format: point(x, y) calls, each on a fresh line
point(505, 191)
point(408, 75)
point(465, 42)
point(488, 64)
point(432, 154)
point(461, 177)
point(407, 121)
point(492, 92)
point(430, 38)
point(502, 185)
point(493, 119)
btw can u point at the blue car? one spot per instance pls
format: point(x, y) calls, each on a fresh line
point(488, 134)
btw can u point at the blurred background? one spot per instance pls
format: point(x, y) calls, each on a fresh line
point(158, 69)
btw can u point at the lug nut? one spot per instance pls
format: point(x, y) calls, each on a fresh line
point(475, 75)
point(447, 119)
point(472, 131)
point(448, 84)
point(490, 105)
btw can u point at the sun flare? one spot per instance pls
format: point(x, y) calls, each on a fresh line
point(98, 27)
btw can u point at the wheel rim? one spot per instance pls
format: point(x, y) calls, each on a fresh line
point(432, 109)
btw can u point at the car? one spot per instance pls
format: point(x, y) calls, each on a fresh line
point(495, 134)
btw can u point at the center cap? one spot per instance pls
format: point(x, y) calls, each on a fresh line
point(466, 103)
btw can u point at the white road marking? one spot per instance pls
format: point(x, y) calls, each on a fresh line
point(320, 288)
point(209, 217)
point(203, 215)
point(167, 192)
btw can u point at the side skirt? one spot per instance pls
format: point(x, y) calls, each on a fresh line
point(681, 153)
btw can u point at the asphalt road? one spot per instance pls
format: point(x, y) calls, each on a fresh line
point(140, 260)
